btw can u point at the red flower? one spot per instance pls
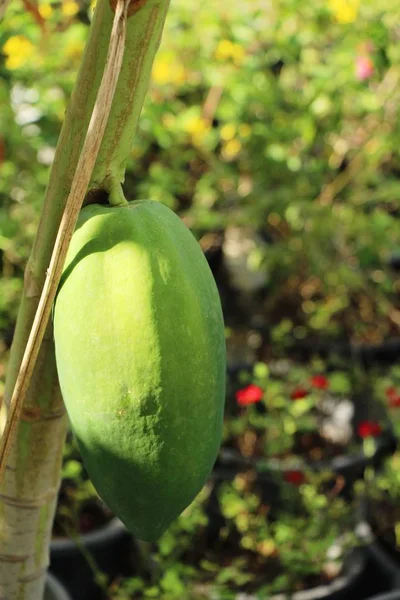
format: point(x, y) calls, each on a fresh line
point(368, 429)
point(299, 393)
point(249, 395)
point(393, 396)
point(294, 477)
point(320, 382)
point(391, 392)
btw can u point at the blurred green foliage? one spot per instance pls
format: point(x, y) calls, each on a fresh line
point(261, 548)
point(280, 117)
point(274, 116)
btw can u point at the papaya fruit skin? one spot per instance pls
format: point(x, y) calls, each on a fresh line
point(140, 350)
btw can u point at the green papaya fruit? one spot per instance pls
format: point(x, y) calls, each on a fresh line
point(140, 352)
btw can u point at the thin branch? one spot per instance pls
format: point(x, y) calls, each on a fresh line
point(33, 8)
point(73, 205)
point(3, 7)
point(211, 103)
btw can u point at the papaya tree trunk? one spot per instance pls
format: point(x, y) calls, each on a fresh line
point(28, 490)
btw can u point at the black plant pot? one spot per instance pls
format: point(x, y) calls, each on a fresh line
point(351, 467)
point(387, 566)
point(368, 356)
point(393, 595)
point(394, 261)
point(382, 561)
point(54, 590)
point(111, 548)
point(344, 587)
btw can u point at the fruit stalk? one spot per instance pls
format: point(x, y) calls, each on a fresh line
point(28, 491)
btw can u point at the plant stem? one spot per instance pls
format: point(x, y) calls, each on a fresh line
point(29, 490)
point(73, 205)
point(115, 192)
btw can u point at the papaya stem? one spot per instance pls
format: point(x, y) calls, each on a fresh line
point(116, 195)
point(80, 182)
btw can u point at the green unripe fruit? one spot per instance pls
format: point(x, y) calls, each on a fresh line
point(140, 351)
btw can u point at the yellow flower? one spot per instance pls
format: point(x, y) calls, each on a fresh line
point(238, 54)
point(228, 132)
point(168, 69)
point(69, 8)
point(227, 50)
point(45, 10)
point(345, 11)
point(18, 50)
point(197, 128)
point(223, 51)
point(231, 149)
